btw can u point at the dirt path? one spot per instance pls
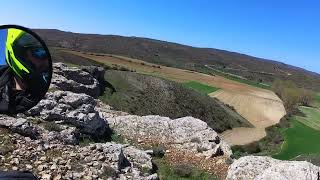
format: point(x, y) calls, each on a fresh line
point(259, 106)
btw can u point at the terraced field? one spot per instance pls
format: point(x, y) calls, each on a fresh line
point(259, 106)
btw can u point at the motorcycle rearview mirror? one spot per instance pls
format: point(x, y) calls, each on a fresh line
point(25, 69)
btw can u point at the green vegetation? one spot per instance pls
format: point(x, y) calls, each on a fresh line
point(212, 71)
point(180, 172)
point(244, 81)
point(202, 88)
point(267, 146)
point(290, 139)
point(312, 158)
point(6, 143)
point(317, 100)
point(292, 96)
point(118, 138)
point(158, 151)
point(144, 95)
point(52, 126)
point(312, 118)
point(299, 139)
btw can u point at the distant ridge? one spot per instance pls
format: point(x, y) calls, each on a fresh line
point(183, 56)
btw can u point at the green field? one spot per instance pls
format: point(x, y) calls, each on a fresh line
point(232, 77)
point(317, 100)
point(312, 118)
point(202, 88)
point(299, 140)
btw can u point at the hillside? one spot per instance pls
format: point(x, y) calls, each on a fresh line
point(146, 95)
point(206, 60)
point(250, 102)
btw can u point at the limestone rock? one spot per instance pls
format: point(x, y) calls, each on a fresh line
point(74, 79)
point(186, 133)
point(71, 108)
point(263, 168)
point(19, 125)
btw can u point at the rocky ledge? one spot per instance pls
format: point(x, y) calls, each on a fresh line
point(48, 139)
point(59, 161)
point(185, 133)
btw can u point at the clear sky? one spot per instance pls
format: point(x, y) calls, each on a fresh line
point(3, 37)
point(282, 30)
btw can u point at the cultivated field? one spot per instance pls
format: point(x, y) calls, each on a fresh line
point(259, 106)
point(260, 111)
point(312, 118)
point(299, 140)
point(202, 88)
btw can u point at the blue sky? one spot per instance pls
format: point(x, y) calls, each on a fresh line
point(283, 30)
point(3, 37)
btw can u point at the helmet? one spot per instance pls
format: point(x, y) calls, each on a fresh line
point(19, 46)
point(16, 65)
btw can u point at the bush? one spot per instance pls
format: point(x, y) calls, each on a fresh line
point(117, 138)
point(183, 170)
point(109, 172)
point(158, 151)
point(307, 97)
point(123, 69)
point(52, 126)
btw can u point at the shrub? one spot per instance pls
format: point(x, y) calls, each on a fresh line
point(158, 151)
point(52, 126)
point(183, 170)
point(124, 69)
point(117, 138)
point(109, 172)
point(307, 97)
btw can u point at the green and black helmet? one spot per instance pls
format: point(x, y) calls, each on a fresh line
point(17, 44)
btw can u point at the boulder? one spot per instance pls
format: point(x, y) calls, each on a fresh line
point(19, 125)
point(74, 79)
point(186, 133)
point(73, 109)
point(262, 168)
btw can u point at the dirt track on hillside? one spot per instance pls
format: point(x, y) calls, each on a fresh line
point(259, 106)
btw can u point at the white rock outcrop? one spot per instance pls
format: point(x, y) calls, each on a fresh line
point(186, 133)
point(267, 168)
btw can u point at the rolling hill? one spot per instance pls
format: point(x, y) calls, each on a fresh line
point(182, 56)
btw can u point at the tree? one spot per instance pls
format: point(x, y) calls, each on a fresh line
point(291, 95)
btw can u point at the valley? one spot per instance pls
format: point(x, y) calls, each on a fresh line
point(261, 107)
